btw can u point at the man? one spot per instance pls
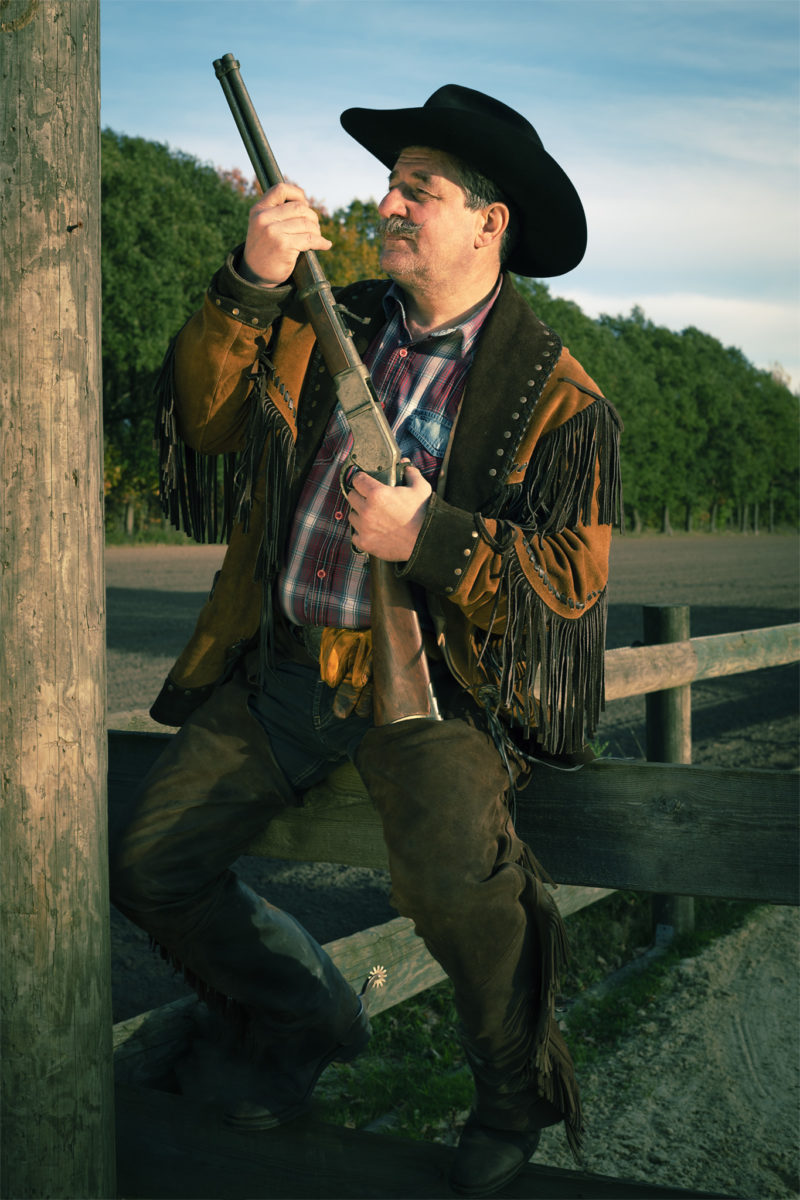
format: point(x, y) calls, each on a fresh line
point(502, 528)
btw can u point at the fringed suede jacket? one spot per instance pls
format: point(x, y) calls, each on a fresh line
point(513, 555)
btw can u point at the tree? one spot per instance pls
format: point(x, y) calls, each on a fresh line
point(704, 429)
point(168, 222)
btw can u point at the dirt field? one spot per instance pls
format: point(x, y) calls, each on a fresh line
point(709, 1099)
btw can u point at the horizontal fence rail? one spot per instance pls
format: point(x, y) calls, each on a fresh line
point(616, 824)
point(174, 1147)
point(636, 670)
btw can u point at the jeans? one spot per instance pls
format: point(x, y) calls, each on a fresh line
point(295, 708)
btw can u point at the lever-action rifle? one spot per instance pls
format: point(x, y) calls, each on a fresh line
point(402, 687)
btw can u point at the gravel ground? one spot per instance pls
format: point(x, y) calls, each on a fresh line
point(706, 1094)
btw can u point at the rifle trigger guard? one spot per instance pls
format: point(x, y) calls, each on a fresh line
point(351, 465)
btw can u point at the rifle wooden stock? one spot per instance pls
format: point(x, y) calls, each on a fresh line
point(401, 679)
point(402, 685)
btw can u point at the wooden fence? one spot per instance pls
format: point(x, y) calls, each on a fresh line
point(617, 824)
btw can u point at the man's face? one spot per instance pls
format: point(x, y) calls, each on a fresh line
point(429, 239)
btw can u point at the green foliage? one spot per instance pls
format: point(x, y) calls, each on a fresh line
point(415, 1070)
point(354, 233)
point(168, 222)
point(705, 431)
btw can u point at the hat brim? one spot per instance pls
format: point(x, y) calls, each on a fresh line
point(552, 224)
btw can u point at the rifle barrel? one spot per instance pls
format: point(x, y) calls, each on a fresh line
point(258, 148)
point(259, 151)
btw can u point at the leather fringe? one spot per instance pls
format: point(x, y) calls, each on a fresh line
point(554, 1072)
point(563, 658)
point(559, 483)
point(196, 490)
point(271, 449)
point(533, 1083)
point(269, 445)
point(232, 1011)
point(194, 497)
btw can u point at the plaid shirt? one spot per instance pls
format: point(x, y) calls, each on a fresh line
point(420, 385)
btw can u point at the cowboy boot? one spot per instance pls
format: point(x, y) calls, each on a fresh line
point(504, 1127)
point(487, 1159)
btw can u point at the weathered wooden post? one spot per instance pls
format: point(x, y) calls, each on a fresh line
point(669, 739)
point(55, 1037)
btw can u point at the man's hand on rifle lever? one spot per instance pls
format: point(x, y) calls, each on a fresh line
point(385, 521)
point(282, 223)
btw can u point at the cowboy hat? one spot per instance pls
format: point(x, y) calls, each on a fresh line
point(495, 140)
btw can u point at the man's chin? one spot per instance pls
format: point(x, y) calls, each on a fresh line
point(397, 263)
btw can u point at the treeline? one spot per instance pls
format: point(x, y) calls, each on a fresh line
point(168, 222)
point(709, 439)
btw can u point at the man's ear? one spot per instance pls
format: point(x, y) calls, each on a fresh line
point(495, 218)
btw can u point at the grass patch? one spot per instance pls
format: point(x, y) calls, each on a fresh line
point(598, 1024)
point(150, 535)
point(415, 1069)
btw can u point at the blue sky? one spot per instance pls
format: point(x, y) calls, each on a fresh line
point(678, 121)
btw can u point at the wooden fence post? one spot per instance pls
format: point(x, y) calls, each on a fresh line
point(669, 739)
point(55, 986)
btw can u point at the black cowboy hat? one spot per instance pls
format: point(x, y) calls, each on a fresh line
point(495, 140)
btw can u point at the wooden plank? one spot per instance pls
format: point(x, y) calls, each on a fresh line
point(652, 824)
point(750, 650)
point(630, 671)
point(131, 754)
point(410, 969)
point(570, 898)
point(336, 817)
point(395, 947)
point(712, 831)
point(147, 1045)
point(171, 1149)
point(637, 670)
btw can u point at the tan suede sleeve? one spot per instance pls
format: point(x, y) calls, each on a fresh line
point(214, 357)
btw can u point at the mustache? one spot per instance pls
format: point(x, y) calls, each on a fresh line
point(397, 227)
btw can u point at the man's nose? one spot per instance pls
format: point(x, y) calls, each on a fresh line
point(392, 204)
